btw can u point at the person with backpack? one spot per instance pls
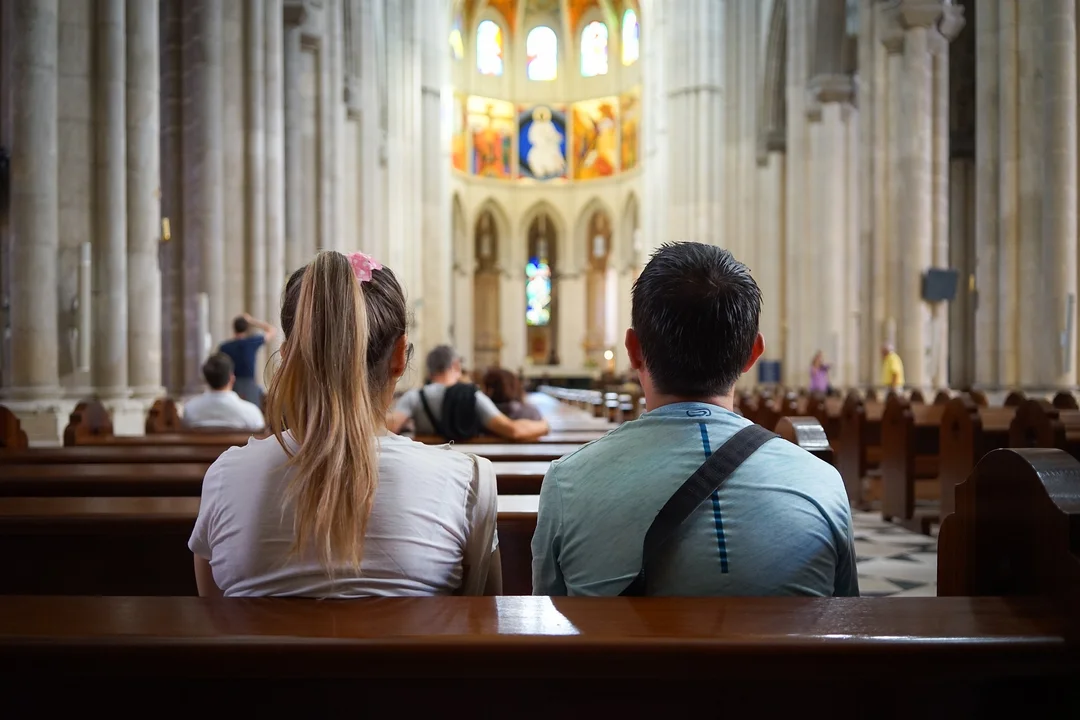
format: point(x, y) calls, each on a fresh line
point(454, 410)
point(692, 499)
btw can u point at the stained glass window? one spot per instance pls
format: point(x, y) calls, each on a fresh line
point(489, 48)
point(594, 50)
point(537, 292)
point(542, 49)
point(631, 38)
point(457, 45)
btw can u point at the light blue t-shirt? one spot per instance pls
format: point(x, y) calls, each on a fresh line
point(779, 525)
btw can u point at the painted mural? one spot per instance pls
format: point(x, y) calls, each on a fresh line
point(491, 124)
point(542, 142)
point(459, 140)
point(596, 138)
point(630, 110)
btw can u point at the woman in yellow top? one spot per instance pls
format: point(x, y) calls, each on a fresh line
point(892, 368)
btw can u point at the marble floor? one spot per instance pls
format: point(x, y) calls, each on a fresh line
point(892, 561)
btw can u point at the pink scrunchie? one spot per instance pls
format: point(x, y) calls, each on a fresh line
point(363, 265)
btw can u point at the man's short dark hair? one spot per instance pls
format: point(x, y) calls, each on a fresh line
point(440, 359)
point(240, 325)
point(695, 312)
point(218, 370)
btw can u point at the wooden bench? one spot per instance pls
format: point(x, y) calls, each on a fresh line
point(576, 437)
point(1009, 644)
point(910, 440)
point(968, 432)
point(182, 479)
point(859, 451)
point(1038, 424)
point(807, 433)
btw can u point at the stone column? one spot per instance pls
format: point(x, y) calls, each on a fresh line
point(890, 244)
point(798, 141)
point(143, 200)
point(254, 39)
point(831, 94)
point(294, 255)
point(435, 237)
point(110, 361)
point(204, 176)
point(696, 119)
point(987, 200)
point(34, 224)
point(771, 271)
point(1007, 212)
point(1036, 326)
point(1059, 189)
point(275, 162)
point(871, 143)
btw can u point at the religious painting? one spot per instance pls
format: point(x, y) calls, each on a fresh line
point(542, 142)
point(491, 125)
point(596, 138)
point(459, 154)
point(630, 111)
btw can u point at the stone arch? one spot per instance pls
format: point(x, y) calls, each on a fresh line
point(503, 231)
point(459, 229)
point(833, 52)
point(772, 113)
point(581, 240)
point(630, 254)
point(565, 262)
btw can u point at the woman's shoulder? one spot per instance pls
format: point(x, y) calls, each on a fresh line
point(399, 450)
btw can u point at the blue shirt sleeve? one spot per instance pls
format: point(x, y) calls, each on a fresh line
point(547, 577)
point(255, 342)
point(846, 583)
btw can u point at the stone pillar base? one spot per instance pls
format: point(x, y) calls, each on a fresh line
point(43, 421)
point(148, 392)
point(128, 415)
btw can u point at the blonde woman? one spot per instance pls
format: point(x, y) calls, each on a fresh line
point(332, 505)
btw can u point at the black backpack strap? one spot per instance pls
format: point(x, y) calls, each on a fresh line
point(704, 482)
point(431, 416)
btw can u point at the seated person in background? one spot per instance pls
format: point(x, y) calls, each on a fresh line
point(454, 410)
point(779, 525)
point(242, 349)
point(332, 506)
point(504, 389)
point(220, 407)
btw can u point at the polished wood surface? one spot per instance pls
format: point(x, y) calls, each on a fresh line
point(182, 479)
point(514, 452)
point(83, 454)
point(138, 545)
point(575, 437)
point(968, 432)
point(807, 433)
point(910, 448)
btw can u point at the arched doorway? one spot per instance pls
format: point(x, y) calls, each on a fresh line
point(540, 301)
point(487, 341)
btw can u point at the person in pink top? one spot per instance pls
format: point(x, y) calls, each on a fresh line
point(819, 374)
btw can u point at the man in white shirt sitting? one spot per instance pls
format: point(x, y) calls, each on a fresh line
point(220, 407)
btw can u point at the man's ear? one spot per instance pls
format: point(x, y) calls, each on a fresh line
point(399, 358)
point(633, 350)
point(759, 348)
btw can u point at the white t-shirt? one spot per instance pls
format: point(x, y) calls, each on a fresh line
point(222, 408)
point(427, 503)
point(409, 404)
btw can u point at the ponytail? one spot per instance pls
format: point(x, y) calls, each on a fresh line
point(322, 394)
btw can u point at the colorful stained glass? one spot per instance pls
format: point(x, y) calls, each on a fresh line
point(631, 38)
point(457, 45)
point(542, 49)
point(537, 292)
point(489, 48)
point(594, 50)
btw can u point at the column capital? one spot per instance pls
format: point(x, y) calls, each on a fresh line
point(892, 31)
point(832, 89)
point(952, 22)
point(296, 12)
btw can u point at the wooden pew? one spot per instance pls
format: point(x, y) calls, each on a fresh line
point(1010, 645)
point(968, 432)
point(859, 451)
point(807, 433)
point(138, 545)
point(12, 436)
point(1037, 424)
point(163, 417)
point(578, 437)
point(910, 440)
point(182, 479)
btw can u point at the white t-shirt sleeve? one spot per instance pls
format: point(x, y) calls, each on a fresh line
point(254, 418)
point(206, 524)
point(485, 409)
point(407, 403)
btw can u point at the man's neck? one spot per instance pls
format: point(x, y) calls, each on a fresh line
point(654, 401)
point(222, 391)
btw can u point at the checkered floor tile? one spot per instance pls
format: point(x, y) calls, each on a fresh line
point(892, 561)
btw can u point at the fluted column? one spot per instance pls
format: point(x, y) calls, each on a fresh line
point(795, 252)
point(435, 237)
point(871, 145)
point(254, 37)
point(275, 160)
point(988, 332)
point(892, 37)
point(143, 200)
point(830, 170)
point(696, 119)
point(770, 271)
point(110, 359)
point(1037, 327)
point(294, 247)
point(1059, 194)
point(34, 228)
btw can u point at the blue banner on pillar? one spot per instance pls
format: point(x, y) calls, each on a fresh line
point(768, 371)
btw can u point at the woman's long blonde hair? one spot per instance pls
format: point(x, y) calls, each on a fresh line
point(327, 393)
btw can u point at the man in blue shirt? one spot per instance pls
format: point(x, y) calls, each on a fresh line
point(249, 335)
point(779, 525)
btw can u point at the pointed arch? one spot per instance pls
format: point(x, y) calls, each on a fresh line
point(503, 231)
point(564, 262)
point(459, 228)
point(582, 243)
point(629, 253)
point(772, 113)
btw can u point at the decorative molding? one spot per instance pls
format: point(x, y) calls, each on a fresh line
point(832, 89)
